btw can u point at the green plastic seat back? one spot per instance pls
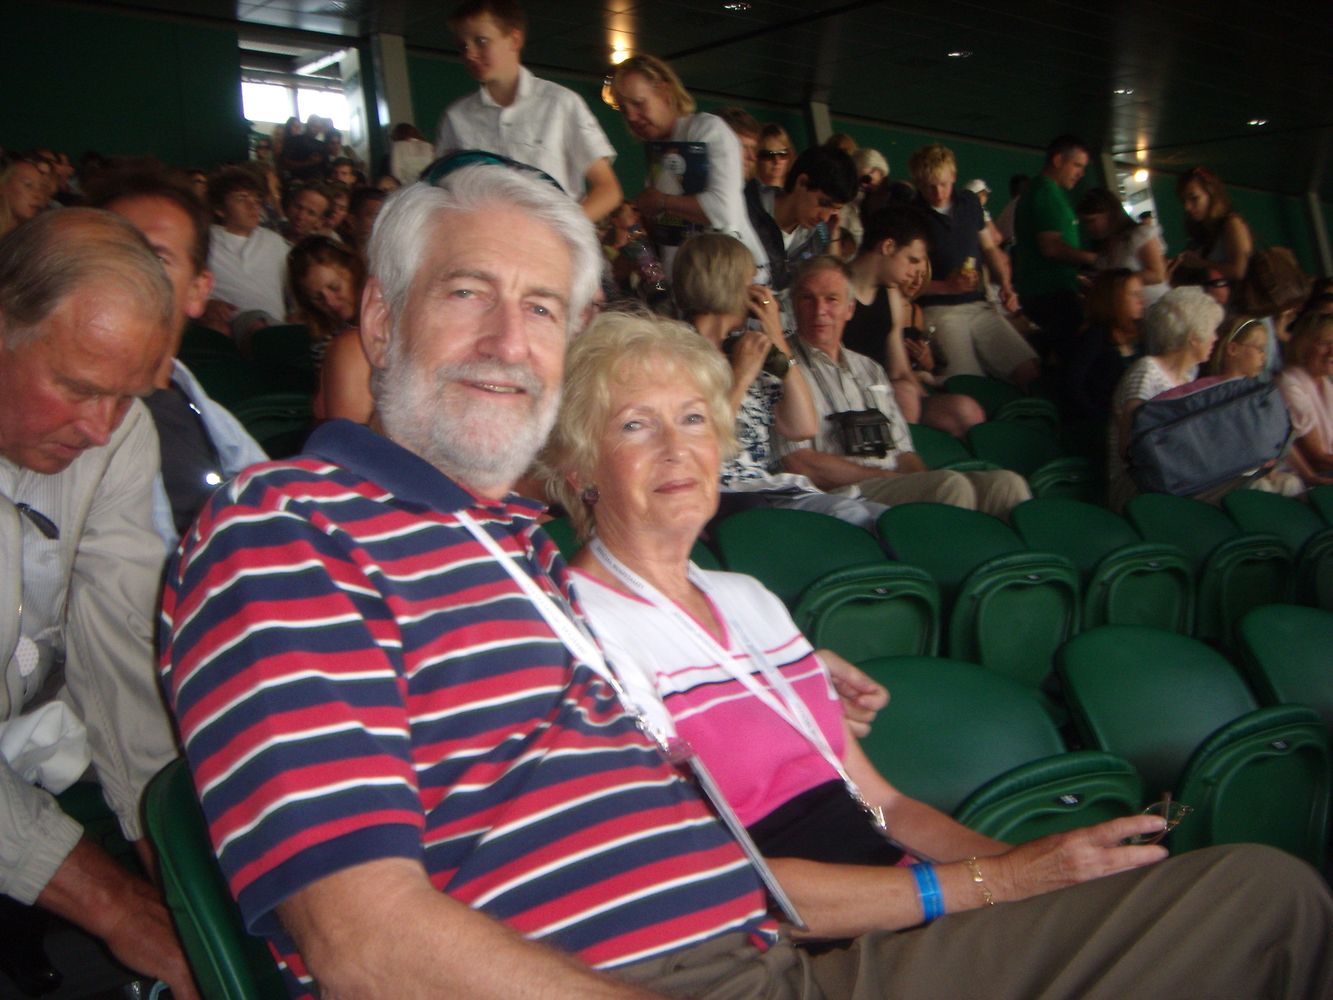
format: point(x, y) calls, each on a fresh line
point(1286, 517)
point(228, 963)
point(1083, 533)
point(1262, 778)
point(1288, 652)
point(1321, 500)
point(1013, 612)
point(938, 449)
point(890, 609)
point(947, 542)
point(1034, 410)
point(1143, 584)
point(1302, 531)
point(991, 393)
point(279, 421)
point(1234, 570)
point(704, 557)
point(790, 549)
point(1073, 477)
point(1053, 795)
point(951, 727)
point(1021, 447)
point(1149, 696)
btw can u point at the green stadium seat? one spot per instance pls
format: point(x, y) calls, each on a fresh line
point(279, 421)
point(1233, 570)
point(1006, 607)
point(1288, 653)
point(1305, 535)
point(1126, 581)
point(1034, 452)
point(561, 530)
point(228, 963)
point(1183, 716)
point(991, 393)
point(1321, 499)
point(283, 353)
point(788, 550)
point(1053, 795)
point(876, 610)
point(981, 746)
point(938, 449)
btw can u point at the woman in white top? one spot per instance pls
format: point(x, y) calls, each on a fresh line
point(1181, 328)
point(1122, 242)
point(658, 108)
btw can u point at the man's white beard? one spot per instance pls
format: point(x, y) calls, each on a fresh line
point(483, 445)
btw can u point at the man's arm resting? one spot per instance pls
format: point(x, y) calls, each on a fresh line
point(93, 891)
point(381, 929)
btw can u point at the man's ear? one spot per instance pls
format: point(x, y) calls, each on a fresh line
point(376, 324)
point(201, 287)
point(888, 248)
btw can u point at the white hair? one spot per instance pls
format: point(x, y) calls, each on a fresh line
point(411, 215)
point(1179, 315)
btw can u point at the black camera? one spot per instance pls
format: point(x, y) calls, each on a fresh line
point(863, 432)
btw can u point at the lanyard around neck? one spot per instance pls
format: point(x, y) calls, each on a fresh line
point(579, 643)
point(779, 696)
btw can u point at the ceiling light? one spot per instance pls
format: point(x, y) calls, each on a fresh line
point(619, 54)
point(1123, 91)
point(959, 54)
point(1141, 176)
point(736, 6)
point(1257, 121)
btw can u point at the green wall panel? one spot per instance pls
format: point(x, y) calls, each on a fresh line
point(78, 79)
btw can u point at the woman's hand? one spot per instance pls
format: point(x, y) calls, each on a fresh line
point(1065, 859)
point(761, 304)
point(862, 697)
point(920, 353)
point(747, 358)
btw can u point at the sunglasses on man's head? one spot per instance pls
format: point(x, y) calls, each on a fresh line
point(774, 154)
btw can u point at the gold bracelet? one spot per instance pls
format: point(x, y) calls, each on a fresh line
point(975, 869)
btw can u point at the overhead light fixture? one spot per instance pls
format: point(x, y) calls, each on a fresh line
point(737, 6)
point(1123, 91)
point(1141, 176)
point(619, 54)
point(1141, 155)
point(1257, 121)
point(959, 54)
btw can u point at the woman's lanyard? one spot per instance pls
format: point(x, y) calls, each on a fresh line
point(575, 638)
point(779, 696)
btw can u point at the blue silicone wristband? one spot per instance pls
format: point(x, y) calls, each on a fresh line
point(928, 891)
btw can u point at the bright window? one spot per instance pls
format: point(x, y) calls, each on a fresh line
point(325, 103)
point(267, 102)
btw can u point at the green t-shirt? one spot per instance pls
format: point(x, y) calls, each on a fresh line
point(1044, 208)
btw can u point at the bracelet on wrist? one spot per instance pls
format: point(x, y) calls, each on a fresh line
point(928, 892)
point(975, 869)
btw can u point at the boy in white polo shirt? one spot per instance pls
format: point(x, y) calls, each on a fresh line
point(520, 116)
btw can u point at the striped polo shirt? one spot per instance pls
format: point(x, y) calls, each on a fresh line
point(355, 678)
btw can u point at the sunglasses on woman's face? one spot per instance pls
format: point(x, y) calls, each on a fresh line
point(774, 154)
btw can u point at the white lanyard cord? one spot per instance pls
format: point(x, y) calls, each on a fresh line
point(791, 709)
point(583, 647)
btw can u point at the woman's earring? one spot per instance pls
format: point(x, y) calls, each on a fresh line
point(590, 496)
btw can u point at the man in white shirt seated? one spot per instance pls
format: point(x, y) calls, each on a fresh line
point(249, 263)
point(522, 117)
point(864, 447)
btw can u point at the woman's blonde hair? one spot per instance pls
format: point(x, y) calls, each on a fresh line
point(616, 346)
point(710, 275)
point(655, 71)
